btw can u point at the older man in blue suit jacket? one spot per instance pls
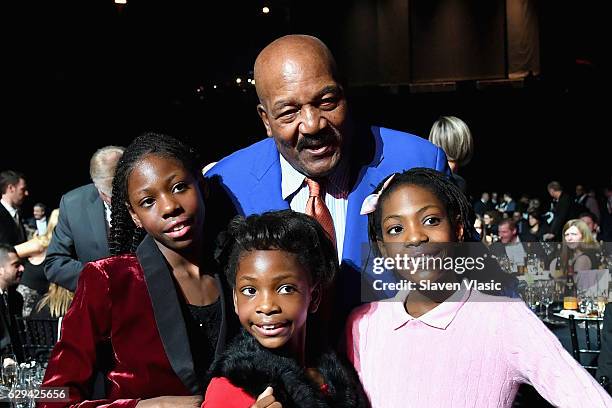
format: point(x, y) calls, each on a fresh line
point(304, 111)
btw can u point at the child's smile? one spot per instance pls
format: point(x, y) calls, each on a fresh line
point(415, 224)
point(272, 298)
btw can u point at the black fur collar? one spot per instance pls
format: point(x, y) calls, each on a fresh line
point(253, 368)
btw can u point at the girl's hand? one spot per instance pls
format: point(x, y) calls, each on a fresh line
point(266, 400)
point(191, 401)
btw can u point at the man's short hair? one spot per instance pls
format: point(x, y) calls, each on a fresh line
point(102, 167)
point(590, 215)
point(509, 222)
point(40, 205)
point(9, 178)
point(555, 186)
point(6, 249)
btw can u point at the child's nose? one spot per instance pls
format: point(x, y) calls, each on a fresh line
point(268, 305)
point(415, 238)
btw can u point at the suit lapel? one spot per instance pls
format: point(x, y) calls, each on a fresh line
point(5, 338)
point(266, 194)
point(168, 315)
point(97, 221)
point(6, 221)
point(355, 232)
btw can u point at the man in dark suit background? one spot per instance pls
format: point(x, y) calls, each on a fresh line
point(14, 191)
point(81, 234)
point(561, 208)
point(483, 205)
point(513, 246)
point(38, 223)
point(11, 302)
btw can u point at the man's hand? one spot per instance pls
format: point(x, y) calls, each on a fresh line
point(548, 237)
point(266, 400)
point(192, 401)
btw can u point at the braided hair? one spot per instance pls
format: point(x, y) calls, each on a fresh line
point(124, 235)
point(457, 206)
point(284, 230)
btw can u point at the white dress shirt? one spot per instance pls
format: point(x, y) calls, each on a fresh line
point(9, 208)
point(41, 226)
point(295, 191)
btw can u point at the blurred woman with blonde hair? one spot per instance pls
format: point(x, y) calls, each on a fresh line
point(34, 283)
point(578, 251)
point(454, 137)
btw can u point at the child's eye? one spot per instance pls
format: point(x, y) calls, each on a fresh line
point(285, 289)
point(178, 187)
point(432, 221)
point(395, 230)
point(248, 291)
point(147, 202)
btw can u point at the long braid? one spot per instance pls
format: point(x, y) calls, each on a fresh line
point(457, 205)
point(124, 236)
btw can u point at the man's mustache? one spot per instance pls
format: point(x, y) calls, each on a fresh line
point(318, 140)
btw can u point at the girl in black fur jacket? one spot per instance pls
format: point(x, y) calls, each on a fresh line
point(279, 264)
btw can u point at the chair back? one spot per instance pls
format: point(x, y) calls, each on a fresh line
point(38, 337)
point(592, 346)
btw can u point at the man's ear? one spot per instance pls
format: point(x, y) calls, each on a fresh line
point(315, 298)
point(134, 216)
point(235, 300)
point(264, 118)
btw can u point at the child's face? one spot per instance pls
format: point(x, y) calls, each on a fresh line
point(165, 200)
point(272, 298)
point(412, 219)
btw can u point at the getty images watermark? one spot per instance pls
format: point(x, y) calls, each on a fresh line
point(403, 265)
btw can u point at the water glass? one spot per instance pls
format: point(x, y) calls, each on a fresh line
point(9, 370)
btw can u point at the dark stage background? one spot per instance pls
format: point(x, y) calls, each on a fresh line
point(87, 75)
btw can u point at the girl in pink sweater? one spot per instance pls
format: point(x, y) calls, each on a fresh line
point(443, 343)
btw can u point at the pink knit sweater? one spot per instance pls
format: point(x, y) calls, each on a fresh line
point(473, 350)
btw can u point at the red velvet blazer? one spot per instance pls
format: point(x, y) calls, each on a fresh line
point(126, 321)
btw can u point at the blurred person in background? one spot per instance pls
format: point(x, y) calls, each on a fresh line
point(586, 202)
point(38, 222)
point(81, 234)
point(536, 228)
point(11, 302)
point(454, 137)
point(592, 221)
point(578, 251)
point(490, 219)
point(483, 205)
point(14, 191)
point(34, 283)
point(560, 208)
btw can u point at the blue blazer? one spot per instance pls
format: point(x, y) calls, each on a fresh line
point(252, 179)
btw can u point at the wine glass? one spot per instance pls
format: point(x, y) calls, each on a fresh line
point(601, 304)
point(9, 369)
point(547, 300)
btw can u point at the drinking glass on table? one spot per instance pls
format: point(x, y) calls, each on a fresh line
point(601, 304)
point(547, 299)
point(9, 369)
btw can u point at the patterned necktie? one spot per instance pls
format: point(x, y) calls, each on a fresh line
point(316, 208)
point(20, 232)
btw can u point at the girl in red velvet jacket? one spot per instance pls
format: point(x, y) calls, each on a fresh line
point(151, 318)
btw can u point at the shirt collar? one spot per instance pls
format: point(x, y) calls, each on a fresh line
point(439, 317)
point(107, 212)
point(9, 208)
point(292, 180)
